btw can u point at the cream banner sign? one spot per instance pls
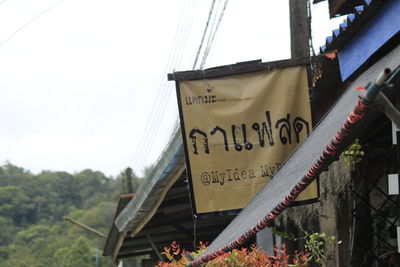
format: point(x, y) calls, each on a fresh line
point(237, 132)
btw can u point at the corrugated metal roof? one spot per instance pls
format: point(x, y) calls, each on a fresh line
point(148, 193)
point(376, 37)
point(351, 25)
point(307, 156)
point(113, 234)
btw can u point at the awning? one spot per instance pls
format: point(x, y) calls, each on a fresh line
point(167, 169)
point(113, 235)
point(276, 196)
point(160, 212)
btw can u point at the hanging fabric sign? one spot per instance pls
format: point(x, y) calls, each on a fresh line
point(237, 132)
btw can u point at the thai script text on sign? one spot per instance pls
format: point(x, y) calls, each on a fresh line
point(238, 130)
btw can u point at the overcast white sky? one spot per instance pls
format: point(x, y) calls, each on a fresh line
point(79, 78)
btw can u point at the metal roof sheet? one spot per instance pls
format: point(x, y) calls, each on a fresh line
point(113, 234)
point(290, 174)
point(169, 162)
point(351, 25)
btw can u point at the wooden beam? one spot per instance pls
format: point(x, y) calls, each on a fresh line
point(118, 246)
point(158, 239)
point(299, 29)
point(177, 192)
point(128, 180)
point(161, 219)
point(238, 68)
point(85, 227)
point(144, 244)
point(163, 239)
point(153, 246)
point(169, 209)
point(136, 229)
point(185, 219)
point(134, 254)
point(180, 228)
point(183, 198)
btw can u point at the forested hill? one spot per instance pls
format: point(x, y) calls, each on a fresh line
point(32, 208)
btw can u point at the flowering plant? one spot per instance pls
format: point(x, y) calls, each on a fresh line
point(252, 256)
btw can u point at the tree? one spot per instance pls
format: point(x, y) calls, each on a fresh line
point(32, 207)
point(99, 217)
point(7, 230)
point(77, 255)
point(15, 204)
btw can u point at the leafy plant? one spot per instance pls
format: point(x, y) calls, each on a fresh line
point(252, 256)
point(177, 256)
point(353, 154)
point(32, 207)
point(275, 230)
point(321, 247)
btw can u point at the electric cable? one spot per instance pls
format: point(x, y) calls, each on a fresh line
point(168, 87)
point(160, 94)
point(210, 31)
point(209, 44)
point(29, 22)
point(164, 92)
point(204, 33)
point(165, 89)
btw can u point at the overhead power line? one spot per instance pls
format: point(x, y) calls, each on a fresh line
point(204, 33)
point(163, 94)
point(214, 20)
point(151, 130)
point(29, 22)
point(212, 36)
point(165, 89)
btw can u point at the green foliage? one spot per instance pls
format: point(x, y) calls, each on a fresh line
point(32, 235)
point(77, 255)
point(252, 256)
point(288, 236)
point(15, 204)
point(321, 248)
point(353, 154)
point(98, 217)
point(118, 184)
point(7, 230)
point(32, 207)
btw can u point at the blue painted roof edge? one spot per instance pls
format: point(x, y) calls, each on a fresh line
point(361, 13)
